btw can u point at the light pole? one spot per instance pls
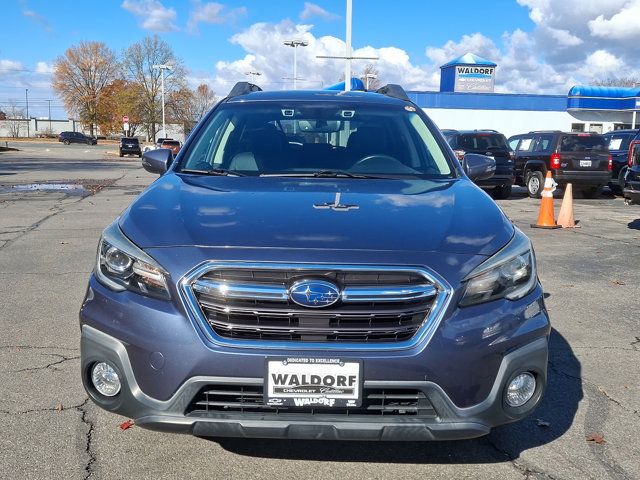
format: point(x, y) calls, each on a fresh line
point(295, 44)
point(26, 96)
point(367, 77)
point(50, 130)
point(162, 68)
point(253, 74)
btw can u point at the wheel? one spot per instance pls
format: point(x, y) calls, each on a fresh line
point(121, 155)
point(620, 185)
point(139, 155)
point(66, 142)
point(590, 192)
point(501, 193)
point(535, 184)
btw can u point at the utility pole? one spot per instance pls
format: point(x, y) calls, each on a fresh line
point(348, 57)
point(295, 44)
point(162, 68)
point(367, 77)
point(49, 102)
point(26, 96)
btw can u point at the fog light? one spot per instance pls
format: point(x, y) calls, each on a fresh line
point(520, 389)
point(105, 379)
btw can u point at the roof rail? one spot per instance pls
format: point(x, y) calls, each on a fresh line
point(393, 90)
point(242, 88)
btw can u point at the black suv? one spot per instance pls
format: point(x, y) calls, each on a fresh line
point(130, 146)
point(618, 142)
point(76, 137)
point(491, 144)
point(579, 158)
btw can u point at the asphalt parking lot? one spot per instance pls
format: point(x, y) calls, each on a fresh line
point(48, 428)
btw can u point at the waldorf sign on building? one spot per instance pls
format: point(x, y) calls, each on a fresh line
point(468, 73)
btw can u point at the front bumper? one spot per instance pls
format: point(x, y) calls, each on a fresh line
point(451, 423)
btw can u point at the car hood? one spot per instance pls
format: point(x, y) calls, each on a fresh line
point(299, 213)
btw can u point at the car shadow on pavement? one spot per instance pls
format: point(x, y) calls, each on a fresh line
point(549, 421)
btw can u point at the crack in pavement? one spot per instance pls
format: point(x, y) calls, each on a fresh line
point(63, 359)
point(595, 386)
point(42, 410)
point(36, 347)
point(524, 470)
point(88, 468)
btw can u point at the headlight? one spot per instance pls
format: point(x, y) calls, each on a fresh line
point(510, 274)
point(121, 265)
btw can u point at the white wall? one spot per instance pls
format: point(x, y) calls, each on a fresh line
point(508, 122)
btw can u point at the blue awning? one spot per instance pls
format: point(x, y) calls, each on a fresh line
point(586, 97)
point(469, 59)
point(356, 84)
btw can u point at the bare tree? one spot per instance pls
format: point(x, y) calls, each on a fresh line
point(15, 119)
point(187, 107)
point(371, 77)
point(81, 75)
point(618, 82)
point(138, 61)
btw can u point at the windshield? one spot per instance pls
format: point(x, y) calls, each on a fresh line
point(317, 138)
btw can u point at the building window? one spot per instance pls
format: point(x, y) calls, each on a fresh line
point(595, 128)
point(577, 127)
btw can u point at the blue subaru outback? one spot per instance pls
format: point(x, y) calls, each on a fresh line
point(315, 265)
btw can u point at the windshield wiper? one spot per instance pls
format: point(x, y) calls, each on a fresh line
point(321, 174)
point(214, 171)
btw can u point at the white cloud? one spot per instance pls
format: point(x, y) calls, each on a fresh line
point(621, 26)
point(152, 14)
point(312, 10)
point(44, 68)
point(211, 13)
point(10, 66)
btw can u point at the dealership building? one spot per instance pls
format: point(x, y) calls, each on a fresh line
point(466, 101)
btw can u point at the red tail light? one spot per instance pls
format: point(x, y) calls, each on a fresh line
point(610, 163)
point(555, 161)
point(460, 154)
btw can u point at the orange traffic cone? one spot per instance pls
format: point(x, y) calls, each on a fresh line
point(565, 217)
point(546, 217)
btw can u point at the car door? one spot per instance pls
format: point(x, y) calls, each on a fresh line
point(521, 155)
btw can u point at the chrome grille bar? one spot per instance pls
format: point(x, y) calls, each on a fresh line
point(248, 291)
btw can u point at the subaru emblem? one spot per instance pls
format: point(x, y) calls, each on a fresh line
point(314, 293)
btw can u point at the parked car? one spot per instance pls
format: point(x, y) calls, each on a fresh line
point(173, 145)
point(578, 158)
point(618, 142)
point(130, 146)
point(352, 283)
point(76, 137)
point(489, 143)
point(631, 189)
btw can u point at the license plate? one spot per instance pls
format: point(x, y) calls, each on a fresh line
point(313, 382)
point(585, 163)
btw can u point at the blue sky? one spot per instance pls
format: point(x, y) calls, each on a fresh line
point(539, 45)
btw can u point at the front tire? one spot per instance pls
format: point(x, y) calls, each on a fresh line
point(66, 142)
point(535, 184)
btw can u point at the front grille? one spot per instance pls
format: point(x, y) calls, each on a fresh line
point(248, 399)
point(374, 306)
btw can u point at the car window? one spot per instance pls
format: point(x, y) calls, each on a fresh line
point(299, 138)
point(618, 141)
point(513, 143)
point(582, 142)
point(526, 144)
point(482, 141)
point(543, 143)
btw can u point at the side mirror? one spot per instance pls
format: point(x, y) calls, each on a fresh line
point(478, 167)
point(157, 161)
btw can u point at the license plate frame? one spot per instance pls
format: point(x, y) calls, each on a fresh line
point(586, 163)
point(309, 391)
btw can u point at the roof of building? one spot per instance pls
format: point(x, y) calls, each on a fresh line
point(469, 59)
point(489, 101)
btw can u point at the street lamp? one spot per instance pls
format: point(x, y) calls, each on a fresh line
point(253, 75)
point(162, 68)
point(367, 77)
point(295, 44)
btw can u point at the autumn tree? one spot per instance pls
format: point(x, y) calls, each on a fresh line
point(15, 120)
point(121, 98)
point(187, 107)
point(80, 77)
point(138, 61)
